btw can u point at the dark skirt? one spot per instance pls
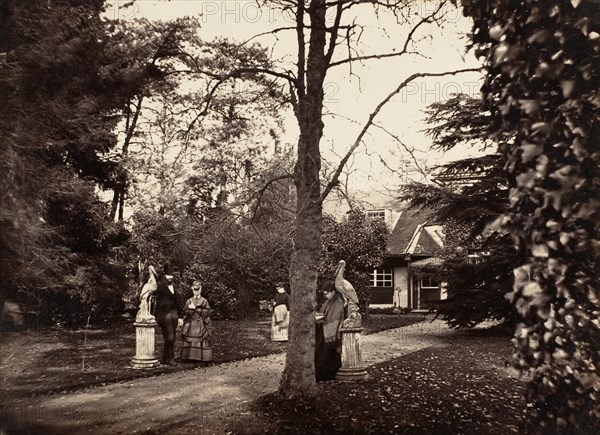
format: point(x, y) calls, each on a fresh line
point(195, 339)
point(195, 350)
point(327, 358)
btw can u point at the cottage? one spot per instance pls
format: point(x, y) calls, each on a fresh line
point(407, 278)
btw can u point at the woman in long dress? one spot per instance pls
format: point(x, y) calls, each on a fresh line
point(328, 350)
point(281, 318)
point(197, 327)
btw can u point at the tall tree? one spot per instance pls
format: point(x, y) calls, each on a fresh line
point(195, 145)
point(57, 125)
point(327, 35)
point(542, 80)
point(468, 196)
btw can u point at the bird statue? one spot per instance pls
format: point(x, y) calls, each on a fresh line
point(147, 290)
point(349, 294)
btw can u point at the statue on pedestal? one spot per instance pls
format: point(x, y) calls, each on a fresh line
point(352, 368)
point(145, 324)
point(144, 315)
point(353, 320)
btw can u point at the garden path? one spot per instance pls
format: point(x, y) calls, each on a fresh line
point(206, 398)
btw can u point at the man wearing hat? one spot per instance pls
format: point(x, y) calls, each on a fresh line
point(166, 314)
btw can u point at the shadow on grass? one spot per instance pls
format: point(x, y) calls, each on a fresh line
point(52, 360)
point(461, 388)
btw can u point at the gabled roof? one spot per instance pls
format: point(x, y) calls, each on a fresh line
point(415, 233)
point(423, 242)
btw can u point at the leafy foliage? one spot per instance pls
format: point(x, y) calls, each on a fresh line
point(237, 262)
point(542, 79)
point(148, 58)
point(360, 242)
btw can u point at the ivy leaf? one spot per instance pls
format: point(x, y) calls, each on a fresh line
point(530, 151)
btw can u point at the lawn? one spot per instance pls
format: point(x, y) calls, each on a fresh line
point(51, 360)
point(465, 387)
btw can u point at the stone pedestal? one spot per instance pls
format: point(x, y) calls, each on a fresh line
point(144, 345)
point(352, 366)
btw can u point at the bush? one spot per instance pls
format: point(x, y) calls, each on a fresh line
point(222, 300)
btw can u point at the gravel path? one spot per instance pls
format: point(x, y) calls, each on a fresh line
point(203, 400)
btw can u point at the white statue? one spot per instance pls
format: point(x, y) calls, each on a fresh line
point(347, 290)
point(143, 315)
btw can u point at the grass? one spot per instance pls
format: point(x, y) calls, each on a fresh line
point(42, 361)
point(464, 387)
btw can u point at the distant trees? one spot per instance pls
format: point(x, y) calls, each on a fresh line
point(196, 136)
point(88, 103)
point(239, 259)
point(360, 242)
point(238, 256)
point(149, 58)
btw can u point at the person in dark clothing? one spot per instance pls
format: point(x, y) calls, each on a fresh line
point(166, 315)
point(328, 359)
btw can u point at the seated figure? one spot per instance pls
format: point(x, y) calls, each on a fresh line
point(197, 327)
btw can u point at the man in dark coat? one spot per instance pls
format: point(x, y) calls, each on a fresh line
point(166, 314)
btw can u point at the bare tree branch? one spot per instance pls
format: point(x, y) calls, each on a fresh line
point(372, 116)
point(270, 32)
point(260, 193)
point(406, 148)
point(409, 38)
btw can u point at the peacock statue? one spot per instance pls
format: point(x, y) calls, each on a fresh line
point(147, 290)
point(354, 319)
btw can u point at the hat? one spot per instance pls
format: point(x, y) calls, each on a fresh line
point(328, 286)
point(167, 269)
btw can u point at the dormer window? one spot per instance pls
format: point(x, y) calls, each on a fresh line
point(376, 215)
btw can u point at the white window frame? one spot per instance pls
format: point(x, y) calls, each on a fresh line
point(377, 215)
point(474, 259)
point(383, 276)
point(436, 287)
point(477, 257)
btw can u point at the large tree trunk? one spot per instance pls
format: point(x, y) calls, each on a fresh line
point(299, 374)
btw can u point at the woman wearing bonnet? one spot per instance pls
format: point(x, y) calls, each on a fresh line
point(197, 327)
point(280, 319)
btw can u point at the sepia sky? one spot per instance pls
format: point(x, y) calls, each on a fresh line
point(351, 95)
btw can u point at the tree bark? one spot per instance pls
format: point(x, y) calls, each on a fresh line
point(118, 200)
point(298, 379)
